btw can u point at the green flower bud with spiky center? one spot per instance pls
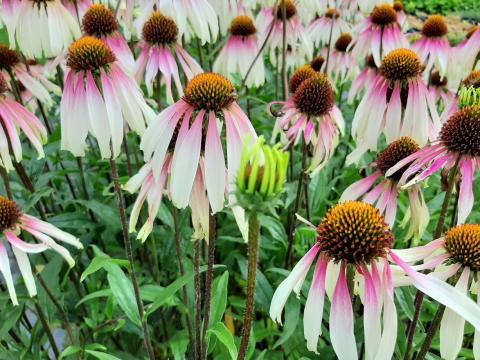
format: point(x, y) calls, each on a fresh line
point(468, 96)
point(261, 174)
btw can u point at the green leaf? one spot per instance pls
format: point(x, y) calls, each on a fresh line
point(292, 310)
point(95, 295)
point(69, 350)
point(100, 262)
point(108, 214)
point(101, 355)
point(225, 337)
point(10, 317)
point(219, 298)
point(171, 289)
point(122, 291)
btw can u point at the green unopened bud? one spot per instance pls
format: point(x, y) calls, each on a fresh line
point(261, 174)
point(469, 96)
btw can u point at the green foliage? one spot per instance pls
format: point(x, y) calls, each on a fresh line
point(444, 7)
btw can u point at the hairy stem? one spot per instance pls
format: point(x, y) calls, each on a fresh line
point(253, 247)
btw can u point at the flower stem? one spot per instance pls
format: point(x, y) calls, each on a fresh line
point(432, 330)
point(284, 51)
point(181, 268)
point(46, 327)
point(129, 253)
point(198, 300)
point(253, 246)
point(438, 232)
point(291, 222)
point(212, 236)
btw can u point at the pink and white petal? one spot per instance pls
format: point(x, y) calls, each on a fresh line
point(442, 292)
point(296, 276)
point(48, 241)
point(359, 188)
point(7, 273)
point(476, 337)
point(26, 270)
point(215, 170)
point(341, 320)
point(313, 314)
point(465, 196)
point(452, 325)
point(24, 246)
point(185, 163)
point(371, 314)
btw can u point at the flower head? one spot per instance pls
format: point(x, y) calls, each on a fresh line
point(209, 91)
point(12, 223)
point(89, 53)
point(401, 64)
point(242, 26)
point(435, 26)
point(354, 232)
point(314, 96)
point(160, 30)
point(299, 76)
point(383, 15)
point(463, 244)
point(317, 62)
point(8, 57)
point(99, 21)
point(261, 174)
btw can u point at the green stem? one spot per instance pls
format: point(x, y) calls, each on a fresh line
point(253, 247)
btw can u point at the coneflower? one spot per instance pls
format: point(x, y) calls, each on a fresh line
point(240, 51)
point(397, 104)
point(342, 65)
point(40, 27)
point(160, 43)
point(330, 22)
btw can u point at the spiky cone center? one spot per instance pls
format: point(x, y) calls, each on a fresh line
point(463, 244)
point(317, 63)
point(332, 13)
point(395, 152)
point(437, 80)
point(401, 64)
point(435, 27)
point(290, 9)
point(472, 31)
point(473, 79)
point(89, 53)
point(383, 15)
point(314, 96)
point(299, 76)
point(242, 26)
point(461, 132)
point(398, 6)
point(9, 214)
point(99, 21)
point(209, 91)
point(354, 232)
point(160, 30)
point(342, 42)
point(8, 57)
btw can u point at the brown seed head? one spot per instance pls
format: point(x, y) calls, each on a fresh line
point(209, 91)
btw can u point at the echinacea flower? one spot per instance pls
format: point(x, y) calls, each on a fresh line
point(433, 46)
point(342, 65)
point(194, 18)
point(397, 104)
point(100, 22)
point(12, 223)
point(328, 28)
point(192, 130)
point(39, 27)
point(454, 256)
point(379, 32)
point(458, 145)
point(366, 6)
point(384, 194)
point(101, 110)
point(297, 38)
point(13, 116)
point(465, 57)
point(302, 73)
point(311, 111)
point(32, 78)
point(160, 42)
point(77, 8)
point(239, 52)
point(354, 238)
